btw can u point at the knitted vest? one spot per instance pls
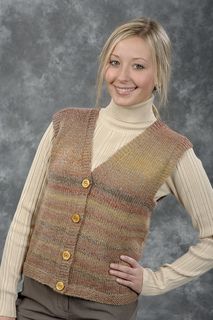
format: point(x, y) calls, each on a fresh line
point(87, 219)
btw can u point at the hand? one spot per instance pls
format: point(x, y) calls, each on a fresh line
point(130, 276)
point(7, 318)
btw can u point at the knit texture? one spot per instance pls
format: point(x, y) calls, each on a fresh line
point(114, 209)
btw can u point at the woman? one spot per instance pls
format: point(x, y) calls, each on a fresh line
point(84, 214)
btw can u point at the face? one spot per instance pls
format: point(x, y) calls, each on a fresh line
point(130, 73)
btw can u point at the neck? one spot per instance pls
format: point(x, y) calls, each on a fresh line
point(138, 113)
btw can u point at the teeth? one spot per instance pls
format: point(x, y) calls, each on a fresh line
point(125, 90)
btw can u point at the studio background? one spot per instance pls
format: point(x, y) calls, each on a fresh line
point(48, 61)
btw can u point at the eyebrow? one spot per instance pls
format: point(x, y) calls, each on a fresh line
point(137, 58)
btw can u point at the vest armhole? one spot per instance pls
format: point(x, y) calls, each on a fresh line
point(182, 145)
point(56, 123)
point(62, 114)
point(57, 118)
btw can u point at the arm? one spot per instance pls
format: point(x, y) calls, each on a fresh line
point(190, 185)
point(17, 239)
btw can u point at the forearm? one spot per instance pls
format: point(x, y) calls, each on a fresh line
point(190, 185)
point(12, 260)
point(17, 239)
point(198, 260)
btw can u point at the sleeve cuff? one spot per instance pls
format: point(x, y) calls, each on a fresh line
point(8, 305)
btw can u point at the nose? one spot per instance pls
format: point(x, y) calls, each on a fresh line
point(123, 73)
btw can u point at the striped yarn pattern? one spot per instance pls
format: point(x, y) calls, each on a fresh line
point(114, 210)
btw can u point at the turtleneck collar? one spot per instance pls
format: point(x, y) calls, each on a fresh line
point(135, 116)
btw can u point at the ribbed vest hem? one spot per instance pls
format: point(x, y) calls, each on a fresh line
point(86, 293)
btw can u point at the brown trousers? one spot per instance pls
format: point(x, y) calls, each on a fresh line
point(39, 302)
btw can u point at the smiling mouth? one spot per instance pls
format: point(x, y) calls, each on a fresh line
point(124, 90)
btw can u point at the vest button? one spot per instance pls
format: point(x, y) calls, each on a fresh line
point(85, 183)
point(75, 218)
point(59, 286)
point(66, 255)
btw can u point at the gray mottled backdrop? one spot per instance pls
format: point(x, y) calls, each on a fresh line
point(48, 60)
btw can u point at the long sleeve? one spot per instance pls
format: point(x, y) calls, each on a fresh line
point(190, 185)
point(17, 239)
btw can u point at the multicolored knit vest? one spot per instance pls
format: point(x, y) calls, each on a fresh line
point(87, 219)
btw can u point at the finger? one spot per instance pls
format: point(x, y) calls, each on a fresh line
point(122, 275)
point(121, 268)
point(125, 282)
point(132, 262)
point(129, 284)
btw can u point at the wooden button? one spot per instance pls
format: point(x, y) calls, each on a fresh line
point(59, 286)
point(66, 255)
point(75, 218)
point(85, 183)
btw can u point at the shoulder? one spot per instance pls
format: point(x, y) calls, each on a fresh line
point(166, 144)
point(173, 137)
point(71, 116)
point(170, 145)
point(71, 111)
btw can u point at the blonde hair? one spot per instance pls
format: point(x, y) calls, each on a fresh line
point(160, 46)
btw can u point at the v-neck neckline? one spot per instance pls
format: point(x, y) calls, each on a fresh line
point(121, 151)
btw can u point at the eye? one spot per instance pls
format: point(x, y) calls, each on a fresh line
point(114, 62)
point(138, 66)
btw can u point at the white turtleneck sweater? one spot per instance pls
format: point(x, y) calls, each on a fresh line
point(116, 126)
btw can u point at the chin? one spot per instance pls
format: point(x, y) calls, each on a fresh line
point(125, 101)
